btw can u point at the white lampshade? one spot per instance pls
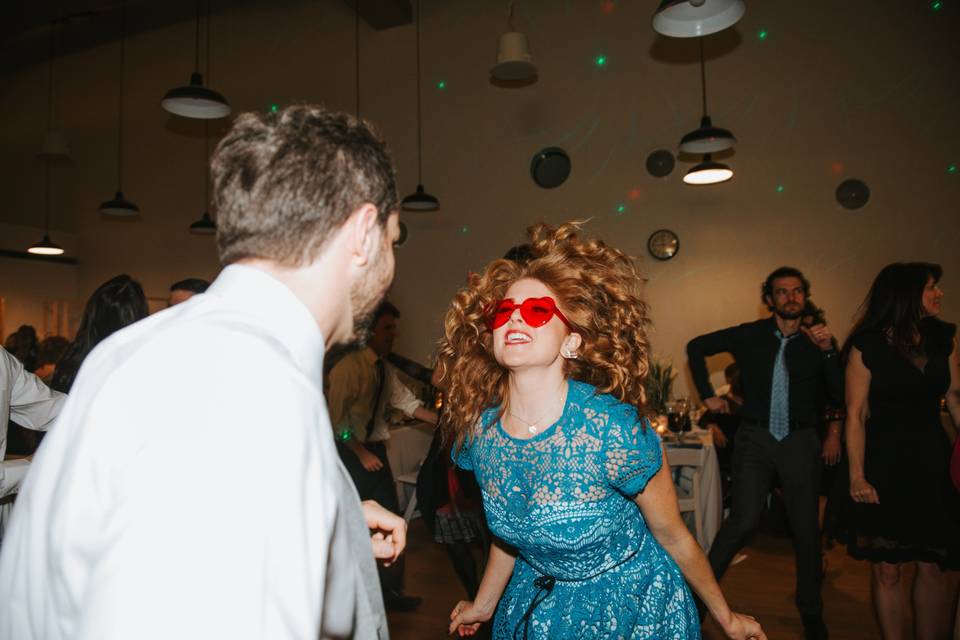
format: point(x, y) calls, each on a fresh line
point(46, 247)
point(708, 172)
point(55, 146)
point(196, 101)
point(514, 61)
point(696, 18)
point(707, 139)
point(119, 207)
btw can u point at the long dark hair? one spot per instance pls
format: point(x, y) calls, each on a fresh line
point(894, 305)
point(115, 304)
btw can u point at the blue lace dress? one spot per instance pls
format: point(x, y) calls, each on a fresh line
point(587, 566)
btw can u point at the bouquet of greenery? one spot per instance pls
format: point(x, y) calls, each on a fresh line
point(658, 385)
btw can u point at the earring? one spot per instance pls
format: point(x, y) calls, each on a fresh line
point(569, 355)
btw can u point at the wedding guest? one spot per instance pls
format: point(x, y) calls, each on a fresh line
point(901, 360)
point(545, 363)
point(183, 290)
point(157, 509)
point(783, 366)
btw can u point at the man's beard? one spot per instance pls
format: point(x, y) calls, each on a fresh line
point(364, 300)
point(788, 315)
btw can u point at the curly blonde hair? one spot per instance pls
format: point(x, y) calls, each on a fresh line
point(599, 290)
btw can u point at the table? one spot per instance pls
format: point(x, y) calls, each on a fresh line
point(406, 449)
point(711, 492)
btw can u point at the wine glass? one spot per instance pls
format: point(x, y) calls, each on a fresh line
point(686, 425)
point(674, 418)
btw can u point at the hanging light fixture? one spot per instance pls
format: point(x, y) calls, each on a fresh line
point(195, 100)
point(696, 18)
point(46, 247)
point(205, 226)
point(120, 207)
point(514, 60)
point(420, 200)
point(708, 172)
point(55, 147)
point(706, 138)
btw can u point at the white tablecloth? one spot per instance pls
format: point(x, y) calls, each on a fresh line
point(405, 450)
point(711, 496)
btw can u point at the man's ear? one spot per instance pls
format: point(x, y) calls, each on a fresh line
point(363, 233)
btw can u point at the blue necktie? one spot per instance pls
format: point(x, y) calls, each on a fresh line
point(780, 392)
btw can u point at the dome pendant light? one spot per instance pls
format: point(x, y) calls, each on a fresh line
point(46, 247)
point(707, 138)
point(708, 172)
point(55, 149)
point(696, 18)
point(421, 200)
point(120, 207)
point(195, 100)
point(205, 226)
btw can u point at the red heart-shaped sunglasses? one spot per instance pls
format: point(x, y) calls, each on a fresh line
point(536, 312)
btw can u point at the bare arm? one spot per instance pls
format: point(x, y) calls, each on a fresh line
point(658, 502)
point(467, 616)
point(857, 392)
point(953, 395)
point(425, 415)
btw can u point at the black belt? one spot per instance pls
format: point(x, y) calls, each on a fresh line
point(764, 423)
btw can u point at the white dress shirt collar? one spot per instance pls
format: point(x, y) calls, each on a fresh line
point(255, 292)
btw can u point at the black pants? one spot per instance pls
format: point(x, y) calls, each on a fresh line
point(796, 461)
point(379, 486)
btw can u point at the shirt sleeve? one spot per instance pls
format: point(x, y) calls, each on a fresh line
point(345, 381)
point(632, 454)
point(33, 404)
point(723, 341)
point(401, 397)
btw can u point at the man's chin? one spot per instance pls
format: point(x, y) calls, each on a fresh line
point(789, 315)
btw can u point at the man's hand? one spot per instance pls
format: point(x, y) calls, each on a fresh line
point(831, 445)
point(719, 437)
point(369, 461)
point(717, 405)
point(820, 335)
point(388, 532)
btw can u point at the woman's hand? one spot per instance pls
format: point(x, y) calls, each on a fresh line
point(743, 627)
point(466, 617)
point(719, 437)
point(831, 448)
point(863, 491)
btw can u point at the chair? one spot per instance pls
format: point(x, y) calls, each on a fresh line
point(410, 479)
point(689, 501)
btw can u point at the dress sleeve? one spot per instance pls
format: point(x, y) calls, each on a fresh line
point(865, 345)
point(632, 454)
point(462, 456)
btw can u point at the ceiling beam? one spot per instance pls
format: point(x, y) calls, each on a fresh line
point(383, 14)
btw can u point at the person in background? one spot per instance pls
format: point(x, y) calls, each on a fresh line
point(783, 367)
point(24, 441)
point(183, 290)
point(22, 344)
point(723, 426)
point(901, 360)
point(158, 508)
point(363, 386)
point(115, 304)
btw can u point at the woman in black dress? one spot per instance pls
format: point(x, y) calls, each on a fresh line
point(901, 361)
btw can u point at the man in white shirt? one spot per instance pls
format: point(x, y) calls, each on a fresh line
point(145, 518)
point(363, 387)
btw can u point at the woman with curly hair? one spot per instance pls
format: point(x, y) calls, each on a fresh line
point(544, 363)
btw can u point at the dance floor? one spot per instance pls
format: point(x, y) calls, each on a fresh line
point(762, 585)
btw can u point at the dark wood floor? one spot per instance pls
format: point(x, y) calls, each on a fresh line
point(762, 586)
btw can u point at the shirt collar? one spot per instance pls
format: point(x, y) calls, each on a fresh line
point(285, 318)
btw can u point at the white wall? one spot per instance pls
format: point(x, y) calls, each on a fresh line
point(837, 90)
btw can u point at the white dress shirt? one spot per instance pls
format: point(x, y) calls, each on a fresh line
point(28, 402)
point(190, 488)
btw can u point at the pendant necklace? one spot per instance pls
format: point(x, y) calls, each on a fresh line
point(532, 427)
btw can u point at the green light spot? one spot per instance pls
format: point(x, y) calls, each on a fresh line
point(779, 188)
point(762, 34)
point(274, 108)
point(936, 5)
point(600, 61)
point(464, 230)
point(345, 435)
point(621, 208)
point(442, 85)
point(952, 169)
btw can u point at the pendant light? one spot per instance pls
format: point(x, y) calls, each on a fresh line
point(420, 200)
point(195, 100)
point(46, 247)
point(205, 226)
point(696, 18)
point(708, 172)
point(55, 147)
point(514, 60)
point(120, 207)
point(707, 138)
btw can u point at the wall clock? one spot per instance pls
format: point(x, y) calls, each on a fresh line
point(663, 244)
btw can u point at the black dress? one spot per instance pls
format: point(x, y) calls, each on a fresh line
point(907, 455)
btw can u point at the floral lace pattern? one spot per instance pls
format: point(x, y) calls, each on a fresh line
point(563, 498)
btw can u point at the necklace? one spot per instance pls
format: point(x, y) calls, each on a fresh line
point(532, 427)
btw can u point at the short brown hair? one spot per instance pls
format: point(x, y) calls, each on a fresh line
point(283, 182)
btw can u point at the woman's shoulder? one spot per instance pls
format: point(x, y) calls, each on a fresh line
point(938, 334)
point(610, 409)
